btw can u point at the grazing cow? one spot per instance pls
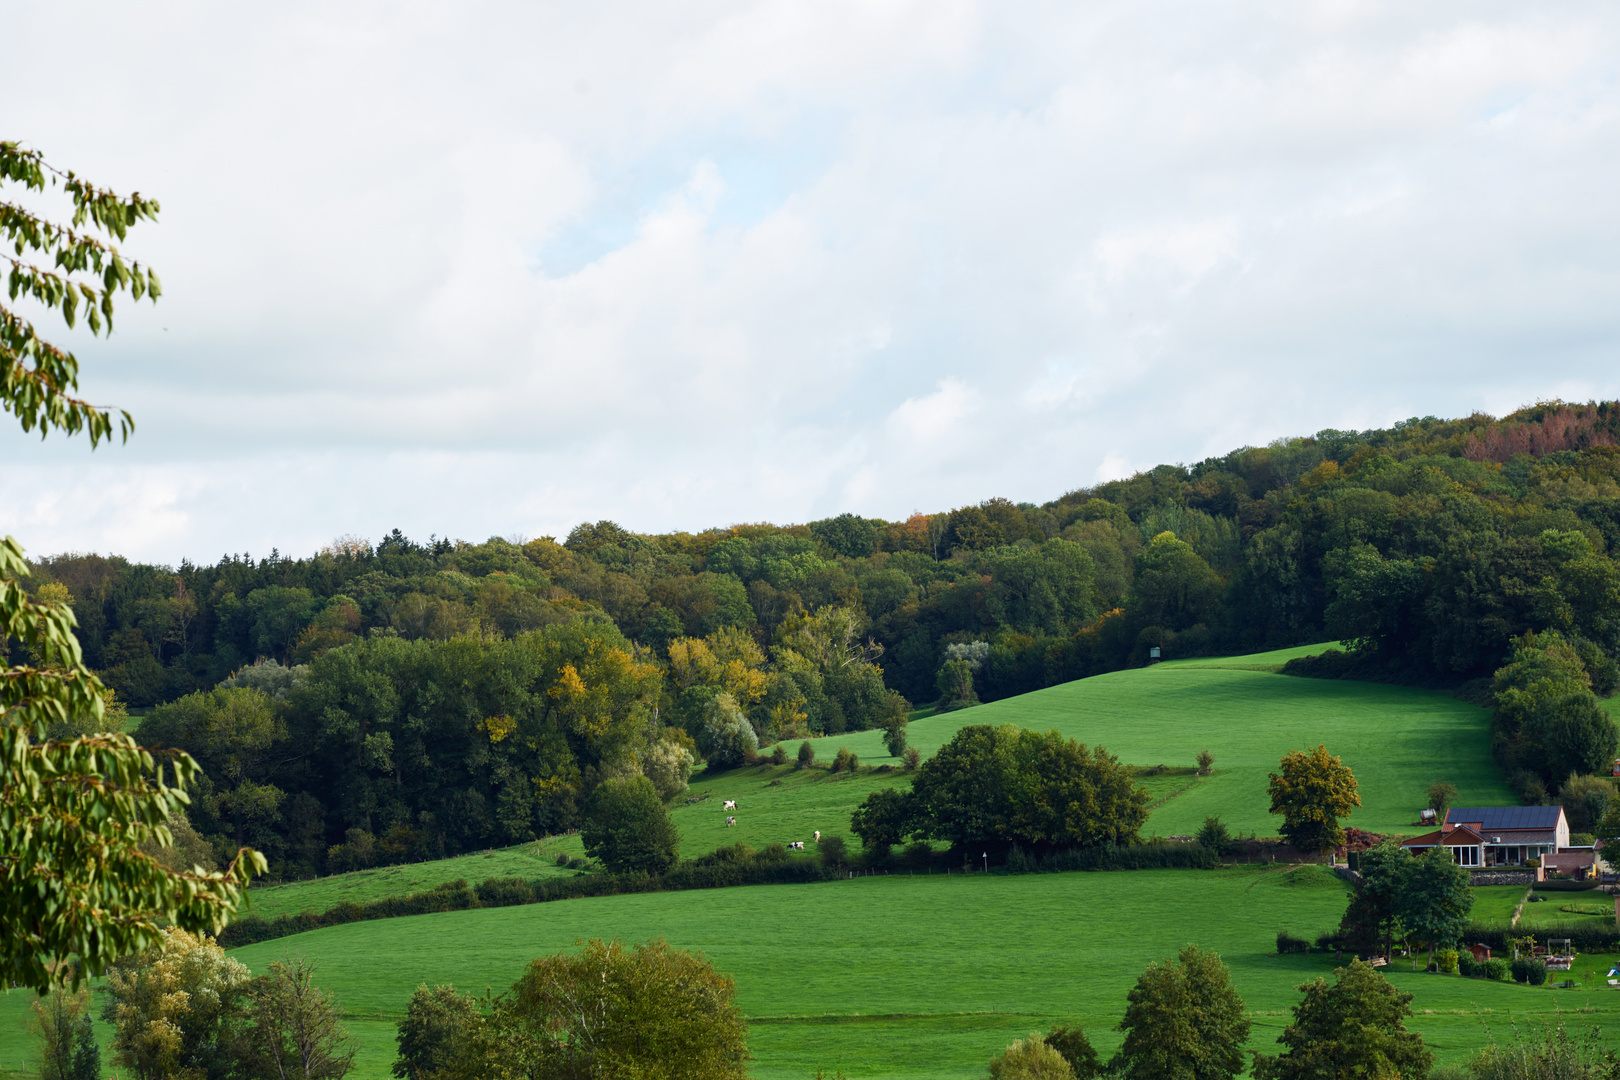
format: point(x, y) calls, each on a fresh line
point(731, 821)
point(818, 836)
point(731, 804)
point(797, 845)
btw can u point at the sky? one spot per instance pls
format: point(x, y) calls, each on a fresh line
point(497, 268)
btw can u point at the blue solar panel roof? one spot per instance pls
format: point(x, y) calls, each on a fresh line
point(1507, 817)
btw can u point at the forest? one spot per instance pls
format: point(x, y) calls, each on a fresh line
point(394, 699)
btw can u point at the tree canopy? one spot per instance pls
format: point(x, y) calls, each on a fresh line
point(998, 786)
point(1313, 792)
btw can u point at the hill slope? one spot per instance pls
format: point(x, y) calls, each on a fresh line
point(1397, 740)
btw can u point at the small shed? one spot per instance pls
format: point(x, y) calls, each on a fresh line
point(1481, 953)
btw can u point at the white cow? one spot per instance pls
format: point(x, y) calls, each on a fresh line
point(731, 804)
point(731, 821)
point(818, 836)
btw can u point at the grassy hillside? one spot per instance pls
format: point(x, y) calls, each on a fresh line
point(1397, 740)
point(905, 976)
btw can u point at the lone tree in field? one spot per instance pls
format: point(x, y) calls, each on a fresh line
point(1355, 1027)
point(626, 826)
point(1184, 1021)
point(291, 1029)
point(74, 812)
point(1313, 791)
point(1441, 795)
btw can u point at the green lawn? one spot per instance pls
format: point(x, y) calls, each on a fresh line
point(911, 976)
point(1496, 903)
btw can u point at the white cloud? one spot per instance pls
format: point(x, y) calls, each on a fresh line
point(495, 266)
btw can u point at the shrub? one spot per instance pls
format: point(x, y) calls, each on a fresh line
point(1214, 836)
point(845, 761)
point(778, 754)
point(626, 826)
point(563, 859)
point(1030, 1059)
point(1076, 1049)
point(1020, 861)
point(1447, 959)
point(1536, 971)
point(834, 852)
point(918, 855)
point(894, 739)
point(1206, 762)
point(807, 755)
point(1467, 968)
point(505, 892)
point(912, 759)
point(1521, 970)
point(1287, 943)
point(726, 738)
point(1498, 969)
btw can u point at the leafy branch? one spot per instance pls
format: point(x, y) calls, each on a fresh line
point(38, 380)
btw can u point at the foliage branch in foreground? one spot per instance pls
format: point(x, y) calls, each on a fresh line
point(74, 882)
point(38, 379)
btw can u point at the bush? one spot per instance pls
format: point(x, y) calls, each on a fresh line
point(563, 859)
point(1214, 836)
point(1467, 968)
point(894, 739)
point(1030, 1059)
point(807, 755)
point(505, 892)
point(1289, 944)
point(834, 852)
point(1076, 1049)
point(1535, 972)
point(1447, 959)
point(1206, 762)
point(626, 826)
point(845, 761)
point(778, 754)
point(918, 856)
point(726, 738)
point(912, 758)
point(1020, 861)
point(1498, 969)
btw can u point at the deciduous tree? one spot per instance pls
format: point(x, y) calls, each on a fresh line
point(1184, 1021)
point(1312, 793)
point(627, 827)
point(1354, 1027)
point(290, 1029)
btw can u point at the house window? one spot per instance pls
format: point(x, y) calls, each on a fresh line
point(1466, 856)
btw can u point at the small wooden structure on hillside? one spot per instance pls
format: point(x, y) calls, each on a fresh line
point(1481, 953)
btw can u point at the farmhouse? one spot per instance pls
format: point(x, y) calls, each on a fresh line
point(1497, 835)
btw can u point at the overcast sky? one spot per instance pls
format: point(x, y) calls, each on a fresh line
point(496, 268)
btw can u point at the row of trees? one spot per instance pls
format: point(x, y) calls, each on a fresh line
point(1404, 542)
point(182, 1008)
point(1184, 1018)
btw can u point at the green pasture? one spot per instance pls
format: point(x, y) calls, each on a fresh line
point(527, 861)
point(1397, 740)
point(904, 976)
point(913, 976)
